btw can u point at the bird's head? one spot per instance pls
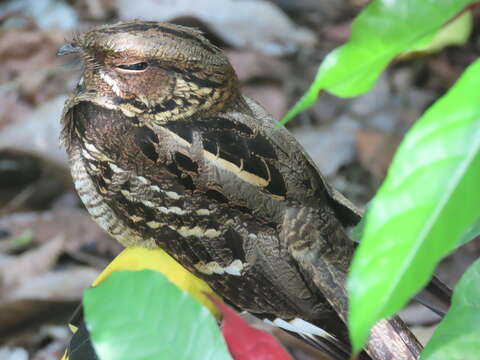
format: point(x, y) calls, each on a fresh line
point(158, 68)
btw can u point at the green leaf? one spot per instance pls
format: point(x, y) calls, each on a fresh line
point(140, 315)
point(384, 29)
point(456, 32)
point(458, 335)
point(358, 230)
point(469, 234)
point(422, 210)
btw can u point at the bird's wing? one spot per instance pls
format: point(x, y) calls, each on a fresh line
point(346, 211)
point(436, 295)
point(209, 191)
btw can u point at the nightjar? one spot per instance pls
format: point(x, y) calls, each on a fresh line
point(166, 152)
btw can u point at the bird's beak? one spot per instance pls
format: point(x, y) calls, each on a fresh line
point(67, 49)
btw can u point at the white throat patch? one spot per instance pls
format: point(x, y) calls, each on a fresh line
point(111, 82)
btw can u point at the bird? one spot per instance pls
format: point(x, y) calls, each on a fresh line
point(166, 152)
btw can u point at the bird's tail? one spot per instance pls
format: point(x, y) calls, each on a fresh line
point(317, 337)
point(323, 252)
point(389, 339)
point(436, 296)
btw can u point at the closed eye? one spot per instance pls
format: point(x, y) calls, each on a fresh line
point(132, 68)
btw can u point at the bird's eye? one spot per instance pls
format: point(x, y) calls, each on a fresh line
point(137, 67)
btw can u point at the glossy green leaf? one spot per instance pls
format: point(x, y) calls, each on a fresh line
point(458, 335)
point(421, 212)
point(469, 234)
point(140, 315)
point(384, 29)
point(456, 32)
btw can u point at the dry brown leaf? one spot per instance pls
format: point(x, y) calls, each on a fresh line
point(44, 14)
point(375, 151)
point(46, 298)
point(271, 97)
point(272, 32)
point(26, 315)
point(59, 285)
point(28, 51)
point(30, 264)
point(330, 146)
point(12, 108)
point(95, 9)
point(360, 3)
point(58, 338)
point(252, 64)
point(319, 12)
point(338, 33)
point(74, 225)
point(443, 70)
point(31, 72)
point(38, 134)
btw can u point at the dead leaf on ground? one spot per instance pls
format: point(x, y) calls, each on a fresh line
point(13, 353)
point(319, 11)
point(44, 299)
point(443, 70)
point(360, 3)
point(339, 33)
point(27, 315)
point(24, 51)
point(271, 97)
point(375, 151)
point(62, 285)
point(30, 264)
point(38, 134)
point(34, 140)
point(58, 337)
point(271, 33)
point(330, 146)
point(327, 108)
point(377, 99)
point(12, 108)
point(31, 72)
point(74, 225)
point(46, 14)
point(253, 64)
point(95, 9)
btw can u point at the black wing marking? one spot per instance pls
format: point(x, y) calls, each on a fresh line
point(235, 143)
point(146, 139)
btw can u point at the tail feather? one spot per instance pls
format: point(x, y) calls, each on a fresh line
point(436, 296)
point(389, 339)
point(314, 336)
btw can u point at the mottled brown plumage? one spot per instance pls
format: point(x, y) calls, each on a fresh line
point(165, 151)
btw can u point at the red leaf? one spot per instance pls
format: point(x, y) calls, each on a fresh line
point(244, 341)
